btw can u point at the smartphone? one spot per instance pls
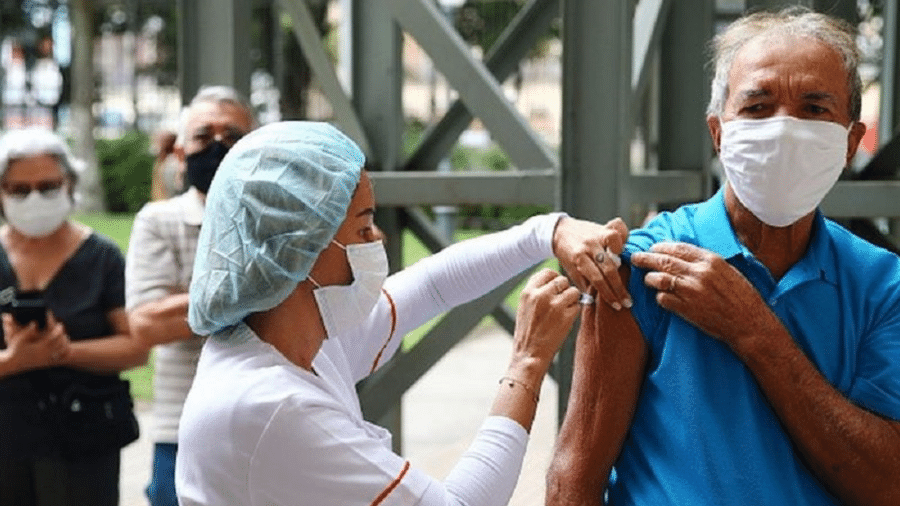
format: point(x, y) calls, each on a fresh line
point(29, 307)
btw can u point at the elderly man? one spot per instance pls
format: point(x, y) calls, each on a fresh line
point(760, 363)
point(159, 265)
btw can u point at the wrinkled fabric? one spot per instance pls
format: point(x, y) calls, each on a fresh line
point(781, 167)
point(275, 203)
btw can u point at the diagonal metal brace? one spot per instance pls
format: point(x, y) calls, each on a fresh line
point(385, 388)
point(531, 22)
point(476, 86)
point(311, 45)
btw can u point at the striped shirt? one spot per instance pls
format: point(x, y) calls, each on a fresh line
point(159, 263)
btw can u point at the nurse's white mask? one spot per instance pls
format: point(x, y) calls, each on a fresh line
point(345, 307)
point(780, 168)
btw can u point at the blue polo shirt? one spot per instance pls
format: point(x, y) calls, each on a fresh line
point(703, 432)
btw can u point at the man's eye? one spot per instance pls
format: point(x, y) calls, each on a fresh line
point(816, 109)
point(753, 108)
point(232, 137)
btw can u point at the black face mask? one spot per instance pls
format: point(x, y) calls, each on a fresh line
point(202, 165)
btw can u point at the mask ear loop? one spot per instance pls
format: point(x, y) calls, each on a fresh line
point(310, 278)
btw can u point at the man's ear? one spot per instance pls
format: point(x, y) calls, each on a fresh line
point(854, 138)
point(715, 129)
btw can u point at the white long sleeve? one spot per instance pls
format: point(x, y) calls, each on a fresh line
point(460, 273)
point(487, 473)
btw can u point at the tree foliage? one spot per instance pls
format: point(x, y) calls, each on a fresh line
point(481, 22)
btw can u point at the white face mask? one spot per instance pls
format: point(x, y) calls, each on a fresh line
point(780, 168)
point(38, 215)
point(344, 307)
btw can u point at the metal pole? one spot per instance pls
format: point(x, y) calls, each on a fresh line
point(213, 38)
point(596, 125)
point(684, 143)
point(377, 75)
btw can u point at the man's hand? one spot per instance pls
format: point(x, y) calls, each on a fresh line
point(704, 289)
point(589, 253)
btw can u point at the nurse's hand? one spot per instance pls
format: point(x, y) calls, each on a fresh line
point(589, 252)
point(547, 308)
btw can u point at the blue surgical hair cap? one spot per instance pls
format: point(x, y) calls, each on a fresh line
point(276, 202)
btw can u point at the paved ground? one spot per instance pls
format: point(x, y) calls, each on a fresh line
point(441, 414)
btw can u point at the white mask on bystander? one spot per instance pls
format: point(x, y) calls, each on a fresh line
point(38, 214)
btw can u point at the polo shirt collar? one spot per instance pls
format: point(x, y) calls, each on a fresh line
point(715, 233)
point(713, 228)
point(819, 255)
point(192, 203)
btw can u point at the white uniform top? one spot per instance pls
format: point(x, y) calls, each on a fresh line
point(258, 430)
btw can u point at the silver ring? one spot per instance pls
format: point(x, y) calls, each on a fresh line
point(586, 299)
point(600, 257)
point(673, 283)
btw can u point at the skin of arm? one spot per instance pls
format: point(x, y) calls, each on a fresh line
point(547, 308)
point(610, 361)
point(109, 354)
point(161, 321)
point(855, 453)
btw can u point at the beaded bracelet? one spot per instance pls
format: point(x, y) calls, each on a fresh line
point(513, 381)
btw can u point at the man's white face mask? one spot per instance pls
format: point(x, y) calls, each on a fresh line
point(780, 168)
point(345, 307)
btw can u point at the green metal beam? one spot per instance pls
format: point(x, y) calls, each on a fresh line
point(684, 141)
point(649, 20)
point(515, 187)
point(388, 384)
point(477, 88)
point(889, 116)
point(314, 51)
point(377, 76)
point(213, 38)
point(531, 22)
point(596, 122)
point(863, 199)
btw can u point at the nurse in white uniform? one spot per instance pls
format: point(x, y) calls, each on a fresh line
point(291, 283)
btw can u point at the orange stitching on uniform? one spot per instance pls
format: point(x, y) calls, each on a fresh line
point(390, 488)
point(393, 328)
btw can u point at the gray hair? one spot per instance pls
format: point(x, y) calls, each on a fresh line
point(216, 95)
point(29, 142)
point(794, 21)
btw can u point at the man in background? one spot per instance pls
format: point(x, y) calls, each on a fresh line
point(158, 269)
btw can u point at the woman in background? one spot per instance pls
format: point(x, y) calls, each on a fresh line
point(64, 412)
